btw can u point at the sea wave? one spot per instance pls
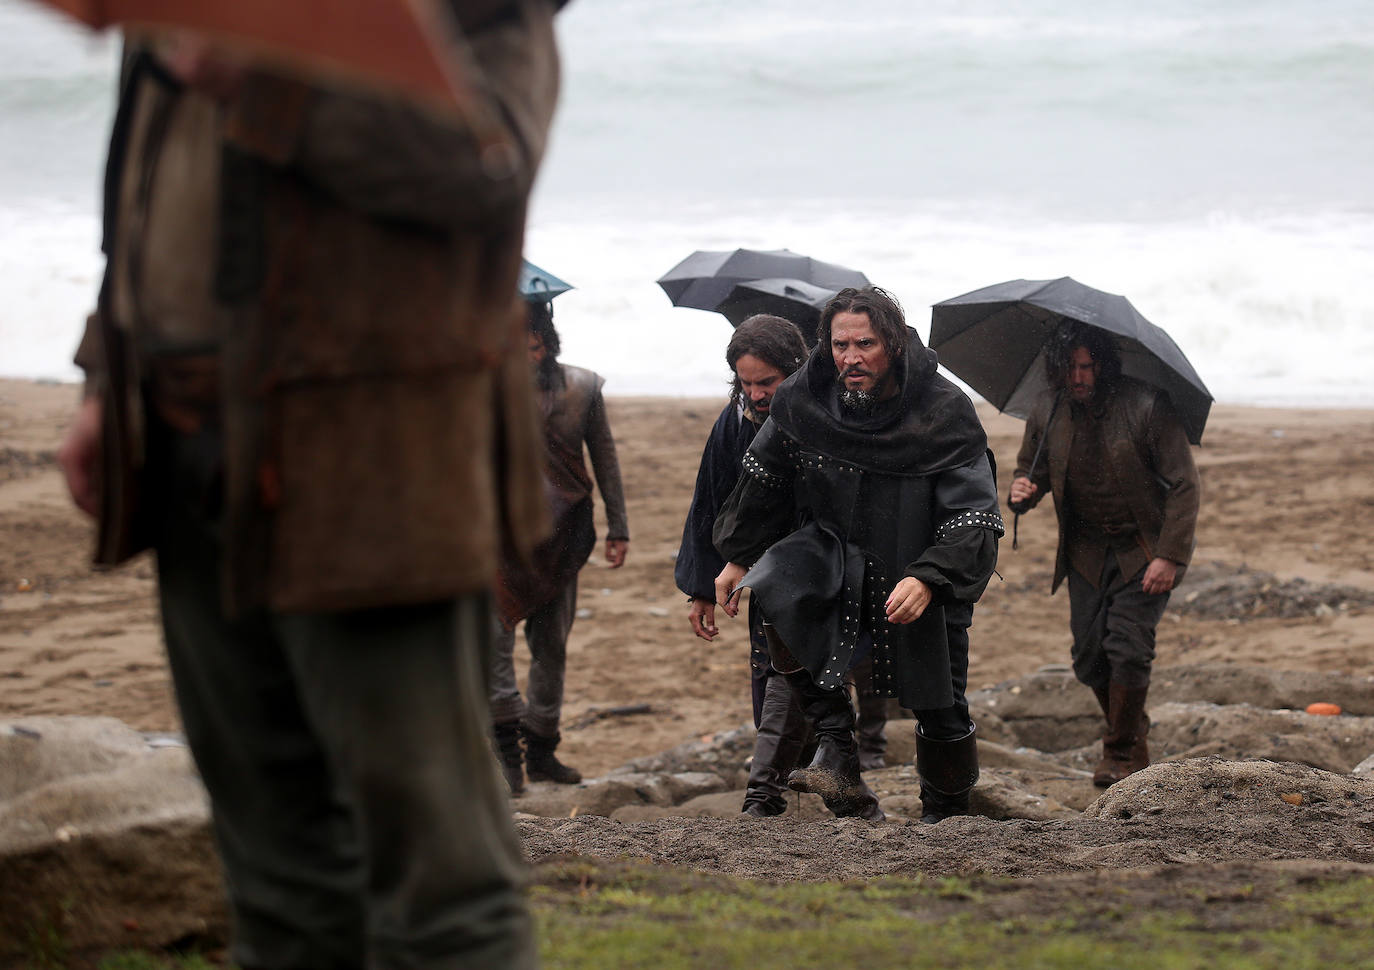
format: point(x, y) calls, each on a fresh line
point(1207, 159)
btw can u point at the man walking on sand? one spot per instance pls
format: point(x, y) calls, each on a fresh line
point(868, 512)
point(1126, 493)
point(762, 352)
point(307, 342)
point(544, 593)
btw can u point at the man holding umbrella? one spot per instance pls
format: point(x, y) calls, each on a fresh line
point(1126, 492)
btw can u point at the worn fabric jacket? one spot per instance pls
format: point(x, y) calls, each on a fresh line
point(1150, 457)
point(833, 510)
point(573, 413)
point(380, 437)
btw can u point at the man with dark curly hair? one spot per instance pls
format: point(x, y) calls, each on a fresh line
point(1126, 493)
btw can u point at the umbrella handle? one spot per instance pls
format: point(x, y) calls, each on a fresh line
point(1035, 460)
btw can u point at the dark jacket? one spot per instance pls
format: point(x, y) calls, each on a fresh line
point(373, 389)
point(1150, 457)
point(833, 510)
point(698, 563)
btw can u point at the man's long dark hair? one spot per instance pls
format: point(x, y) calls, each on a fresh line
point(539, 318)
point(1069, 337)
point(884, 314)
point(773, 340)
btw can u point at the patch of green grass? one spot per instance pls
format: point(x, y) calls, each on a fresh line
point(45, 943)
point(631, 916)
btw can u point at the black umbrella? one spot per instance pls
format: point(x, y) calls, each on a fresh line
point(704, 279)
point(793, 300)
point(994, 339)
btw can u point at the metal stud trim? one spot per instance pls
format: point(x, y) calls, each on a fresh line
point(971, 519)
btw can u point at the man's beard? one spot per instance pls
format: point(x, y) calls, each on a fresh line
point(858, 401)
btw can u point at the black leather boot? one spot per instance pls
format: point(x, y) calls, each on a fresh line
point(540, 763)
point(948, 772)
point(782, 731)
point(834, 771)
point(507, 737)
point(872, 731)
point(872, 720)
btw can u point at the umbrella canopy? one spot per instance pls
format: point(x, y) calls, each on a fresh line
point(793, 300)
point(994, 339)
point(704, 279)
point(539, 285)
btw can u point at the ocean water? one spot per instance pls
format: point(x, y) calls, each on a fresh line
point(1209, 159)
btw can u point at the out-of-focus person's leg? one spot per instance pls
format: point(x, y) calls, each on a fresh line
point(399, 701)
point(292, 864)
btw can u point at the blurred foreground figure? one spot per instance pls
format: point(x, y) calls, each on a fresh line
point(307, 344)
point(544, 593)
point(1126, 492)
point(868, 511)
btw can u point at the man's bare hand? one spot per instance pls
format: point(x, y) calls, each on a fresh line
point(702, 615)
point(908, 601)
point(727, 588)
point(616, 551)
point(1022, 491)
point(1160, 576)
point(79, 455)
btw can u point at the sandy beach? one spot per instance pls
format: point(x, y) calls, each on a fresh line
point(1285, 497)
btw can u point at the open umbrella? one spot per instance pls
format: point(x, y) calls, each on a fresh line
point(994, 340)
point(793, 300)
point(539, 285)
point(704, 279)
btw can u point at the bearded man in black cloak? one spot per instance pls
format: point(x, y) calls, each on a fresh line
point(866, 523)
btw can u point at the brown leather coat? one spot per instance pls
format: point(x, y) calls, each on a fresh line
point(1150, 457)
point(381, 441)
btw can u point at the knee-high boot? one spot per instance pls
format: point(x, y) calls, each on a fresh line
point(948, 772)
point(872, 731)
point(782, 731)
point(834, 771)
point(872, 718)
point(1124, 748)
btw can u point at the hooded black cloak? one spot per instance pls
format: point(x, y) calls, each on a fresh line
point(835, 507)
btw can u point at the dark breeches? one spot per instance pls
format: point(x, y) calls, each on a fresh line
point(1113, 627)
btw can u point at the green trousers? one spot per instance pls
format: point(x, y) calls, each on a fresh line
point(356, 803)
